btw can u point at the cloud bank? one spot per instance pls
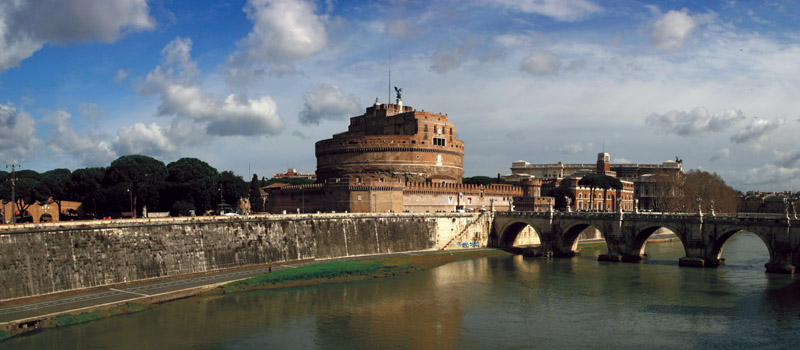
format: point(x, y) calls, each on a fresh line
point(26, 25)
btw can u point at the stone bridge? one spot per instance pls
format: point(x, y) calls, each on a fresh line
point(626, 234)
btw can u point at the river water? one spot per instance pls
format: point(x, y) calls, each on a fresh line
point(511, 302)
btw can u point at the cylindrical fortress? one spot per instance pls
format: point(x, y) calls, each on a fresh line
point(394, 141)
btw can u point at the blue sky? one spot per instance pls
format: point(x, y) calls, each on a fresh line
point(249, 86)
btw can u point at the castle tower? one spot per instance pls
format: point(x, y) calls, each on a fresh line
point(390, 140)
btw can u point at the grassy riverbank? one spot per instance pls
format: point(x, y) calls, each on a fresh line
point(346, 271)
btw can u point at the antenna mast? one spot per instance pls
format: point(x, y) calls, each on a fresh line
point(389, 97)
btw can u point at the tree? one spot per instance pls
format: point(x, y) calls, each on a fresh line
point(592, 181)
point(85, 185)
point(708, 187)
point(143, 176)
point(57, 181)
point(665, 191)
point(232, 187)
point(561, 193)
point(607, 183)
point(27, 191)
point(192, 181)
point(256, 202)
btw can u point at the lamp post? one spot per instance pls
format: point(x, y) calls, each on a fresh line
point(13, 187)
point(130, 194)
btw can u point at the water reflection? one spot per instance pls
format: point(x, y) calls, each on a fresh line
point(485, 303)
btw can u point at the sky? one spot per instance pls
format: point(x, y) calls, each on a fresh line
point(249, 86)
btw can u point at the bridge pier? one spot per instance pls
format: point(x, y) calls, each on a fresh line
point(779, 267)
point(697, 262)
point(617, 257)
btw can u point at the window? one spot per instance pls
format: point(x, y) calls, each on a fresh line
point(359, 197)
point(438, 141)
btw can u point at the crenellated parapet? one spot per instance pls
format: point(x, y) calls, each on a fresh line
point(464, 189)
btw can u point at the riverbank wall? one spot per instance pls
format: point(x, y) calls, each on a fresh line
point(42, 259)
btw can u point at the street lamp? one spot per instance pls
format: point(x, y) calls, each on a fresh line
point(130, 195)
point(13, 187)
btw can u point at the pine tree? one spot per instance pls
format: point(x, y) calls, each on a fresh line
point(256, 202)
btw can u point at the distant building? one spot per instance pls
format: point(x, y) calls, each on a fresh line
point(641, 183)
point(47, 212)
point(393, 158)
point(623, 171)
point(293, 174)
point(769, 202)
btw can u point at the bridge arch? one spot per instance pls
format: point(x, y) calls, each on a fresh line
point(639, 242)
point(719, 243)
point(517, 232)
point(569, 240)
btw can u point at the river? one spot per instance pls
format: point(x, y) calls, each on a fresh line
point(512, 302)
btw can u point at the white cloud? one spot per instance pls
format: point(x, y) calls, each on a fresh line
point(327, 101)
point(542, 63)
point(756, 130)
point(17, 135)
point(284, 30)
point(787, 159)
point(144, 139)
point(767, 175)
point(561, 10)
point(724, 153)
point(88, 149)
point(672, 29)
point(697, 122)
point(120, 76)
point(182, 96)
point(25, 26)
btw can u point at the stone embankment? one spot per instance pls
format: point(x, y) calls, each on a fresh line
point(41, 259)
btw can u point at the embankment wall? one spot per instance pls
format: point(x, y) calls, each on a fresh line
point(39, 259)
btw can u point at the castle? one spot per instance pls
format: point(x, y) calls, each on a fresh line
point(395, 158)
